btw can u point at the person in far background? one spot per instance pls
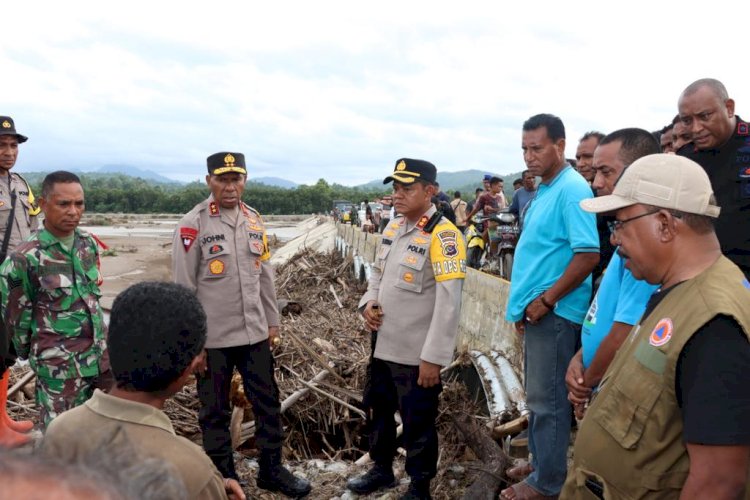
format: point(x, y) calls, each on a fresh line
point(459, 210)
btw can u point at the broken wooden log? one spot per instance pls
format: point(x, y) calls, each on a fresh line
point(18, 385)
point(513, 427)
point(478, 438)
point(248, 429)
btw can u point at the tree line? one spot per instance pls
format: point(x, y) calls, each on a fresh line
point(121, 193)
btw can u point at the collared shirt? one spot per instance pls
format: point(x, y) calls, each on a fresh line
point(555, 229)
point(223, 258)
point(417, 279)
point(25, 217)
point(111, 421)
point(620, 298)
point(728, 168)
point(50, 301)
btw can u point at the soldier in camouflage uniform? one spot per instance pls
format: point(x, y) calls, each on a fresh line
point(50, 300)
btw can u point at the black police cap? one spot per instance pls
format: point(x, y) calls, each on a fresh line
point(225, 162)
point(8, 127)
point(408, 171)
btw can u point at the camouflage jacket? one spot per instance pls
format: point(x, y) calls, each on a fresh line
point(50, 302)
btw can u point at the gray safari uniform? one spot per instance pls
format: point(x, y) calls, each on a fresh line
point(417, 279)
point(25, 217)
point(223, 256)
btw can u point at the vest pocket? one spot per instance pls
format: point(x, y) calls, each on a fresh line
point(627, 406)
point(411, 272)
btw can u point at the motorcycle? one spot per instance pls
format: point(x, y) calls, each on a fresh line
point(474, 242)
point(506, 235)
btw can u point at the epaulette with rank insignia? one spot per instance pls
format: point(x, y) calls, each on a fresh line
point(213, 209)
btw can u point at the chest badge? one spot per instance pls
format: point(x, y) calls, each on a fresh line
point(661, 333)
point(216, 266)
point(187, 235)
point(215, 249)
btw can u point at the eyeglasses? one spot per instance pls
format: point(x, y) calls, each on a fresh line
point(614, 225)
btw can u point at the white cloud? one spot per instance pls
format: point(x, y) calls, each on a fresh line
point(339, 89)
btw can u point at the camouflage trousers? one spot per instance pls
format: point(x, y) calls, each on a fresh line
point(56, 395)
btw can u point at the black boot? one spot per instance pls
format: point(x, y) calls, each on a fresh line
point(419, 489)
point(376, 478)
point(273, 476)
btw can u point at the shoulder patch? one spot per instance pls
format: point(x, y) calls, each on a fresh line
point(448, 242)
point(661, 333)
point(188, 235)
point(742, 128)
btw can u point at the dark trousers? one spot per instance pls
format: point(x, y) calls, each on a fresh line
point(255, 364)
point(394, 387)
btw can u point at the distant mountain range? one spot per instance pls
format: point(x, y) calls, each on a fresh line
point(135, 172)
point(274, 181)
point(465, 181)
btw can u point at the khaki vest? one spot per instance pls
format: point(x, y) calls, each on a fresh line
point(631, 438)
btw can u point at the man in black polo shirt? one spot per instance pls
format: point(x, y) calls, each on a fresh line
point(721, 145)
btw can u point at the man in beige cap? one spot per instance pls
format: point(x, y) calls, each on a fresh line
point(670, 418)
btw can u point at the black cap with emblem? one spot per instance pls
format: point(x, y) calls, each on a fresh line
point(408, 170)
point(8, 127)
point(225, 162)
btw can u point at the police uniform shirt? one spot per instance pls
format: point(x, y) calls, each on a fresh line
point(223, 257)
point(417, 279)
point(728, 168)
point(24, 223)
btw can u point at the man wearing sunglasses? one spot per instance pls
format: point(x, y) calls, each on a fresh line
point(670, 417)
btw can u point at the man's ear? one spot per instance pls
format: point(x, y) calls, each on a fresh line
point(667, 225)
point(208, 180)
point(729, 103)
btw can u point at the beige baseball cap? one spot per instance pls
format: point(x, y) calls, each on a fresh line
point(662, 180)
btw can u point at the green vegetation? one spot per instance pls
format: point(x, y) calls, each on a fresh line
point(121, 193)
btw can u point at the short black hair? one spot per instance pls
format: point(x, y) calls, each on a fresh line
point(457, 194)
point(592, 133)
point(635, 143)
point(494, 180)
point(518, 181)
point(156, 329)
point(553, 124)
point(525, 173)
point(57, 177)
point(478, 190)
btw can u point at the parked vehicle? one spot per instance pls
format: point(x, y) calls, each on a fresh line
point(506, 235)
point(474, 242)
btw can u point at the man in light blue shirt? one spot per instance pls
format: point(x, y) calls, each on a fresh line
point(621, 299)
point(549, 296)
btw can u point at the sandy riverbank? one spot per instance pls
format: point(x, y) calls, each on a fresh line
point(141, 246)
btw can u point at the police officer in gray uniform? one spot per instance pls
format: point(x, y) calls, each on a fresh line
point(220, 251)
point(413, 301)
point(18, 219)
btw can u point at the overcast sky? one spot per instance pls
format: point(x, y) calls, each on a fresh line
point(340, 90)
